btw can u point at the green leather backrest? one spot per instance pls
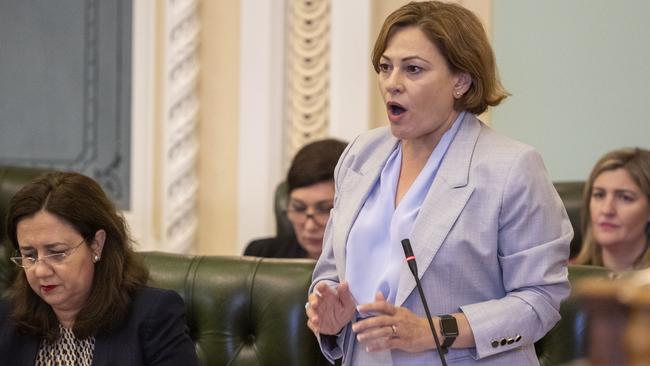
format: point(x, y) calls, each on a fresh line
point(250, 311)
point(242, 310)
point(571, 195)
point(283, 227)
point(567, 340)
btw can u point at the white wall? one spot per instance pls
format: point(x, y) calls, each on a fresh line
point(261, 127)
point(579, 74)
point(260, 111)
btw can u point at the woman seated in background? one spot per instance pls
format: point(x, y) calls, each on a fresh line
point(81, 297)
point(310, 183)
point(615, 218)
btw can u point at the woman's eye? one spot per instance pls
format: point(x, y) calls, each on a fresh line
point(412, 69)
point(597, 195)
point(324, 208)
point(384, 67)
point(297, 207)
point(627, 198)
point(58, 256)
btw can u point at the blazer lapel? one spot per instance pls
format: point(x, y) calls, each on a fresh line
point(354, 190)
point(443, 204)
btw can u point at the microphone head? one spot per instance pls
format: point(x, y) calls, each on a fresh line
point(410, 257)
point(408, 251)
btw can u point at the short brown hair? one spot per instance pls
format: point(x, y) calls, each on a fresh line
point(81, 202)
point(314, 163)
point(460, 38)
point(636, 162)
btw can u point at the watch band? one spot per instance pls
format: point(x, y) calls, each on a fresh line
point(449, 329)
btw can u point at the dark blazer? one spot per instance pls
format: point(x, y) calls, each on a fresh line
point(275, 248)
point(154, 333)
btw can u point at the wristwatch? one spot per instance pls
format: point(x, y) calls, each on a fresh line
point(449, 330)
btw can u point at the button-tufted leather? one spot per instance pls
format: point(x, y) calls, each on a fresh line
point(571, 195)
point(250, 311)
point(242, 310)
point(567, 340)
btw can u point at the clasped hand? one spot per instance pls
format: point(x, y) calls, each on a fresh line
point(391, 327)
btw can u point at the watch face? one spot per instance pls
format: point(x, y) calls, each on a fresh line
point(449, 326)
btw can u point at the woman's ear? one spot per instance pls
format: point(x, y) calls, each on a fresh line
point(98, 242)
point(463, 82)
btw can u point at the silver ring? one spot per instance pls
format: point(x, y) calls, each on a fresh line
point(394, 328)
point(307, 304)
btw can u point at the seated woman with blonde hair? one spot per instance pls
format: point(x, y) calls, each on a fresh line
point(615, 218)
point(81, 296)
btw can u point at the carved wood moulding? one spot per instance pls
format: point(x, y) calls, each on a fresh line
point(307, 59)
point(180, 140)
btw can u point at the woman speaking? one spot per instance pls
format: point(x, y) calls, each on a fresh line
point(489, 231)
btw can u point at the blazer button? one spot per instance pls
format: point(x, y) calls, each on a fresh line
point(495, 344)
point(517, 338)
point(503, 341)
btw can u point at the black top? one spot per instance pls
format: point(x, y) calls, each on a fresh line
point(275, 248)
point(155, 332)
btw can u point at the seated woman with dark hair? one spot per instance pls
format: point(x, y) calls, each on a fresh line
point(81, 296)
point(310, 183)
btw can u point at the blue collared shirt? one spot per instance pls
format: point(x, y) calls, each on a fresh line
point(374, 256)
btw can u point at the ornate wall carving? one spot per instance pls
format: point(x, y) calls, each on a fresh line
point(307, 59)
point(179, 129)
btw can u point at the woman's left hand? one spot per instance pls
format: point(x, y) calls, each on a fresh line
point(392, 327)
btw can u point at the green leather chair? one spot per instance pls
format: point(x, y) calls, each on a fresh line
point(250, 311)
point(567, 341)
point(283, 227)
point(571, 195)
point(242, 310)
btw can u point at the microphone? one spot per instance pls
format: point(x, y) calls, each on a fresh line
point(413, 266)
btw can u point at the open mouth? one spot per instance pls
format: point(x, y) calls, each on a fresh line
point(395, 108)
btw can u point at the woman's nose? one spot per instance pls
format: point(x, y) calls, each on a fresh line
point(608, 207)
point(394, 84)
point(310, 222)
point(42, 269)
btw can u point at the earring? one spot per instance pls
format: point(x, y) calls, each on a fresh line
point(458, 94)
point(95, 258)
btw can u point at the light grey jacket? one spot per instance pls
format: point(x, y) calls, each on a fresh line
point(491, 239)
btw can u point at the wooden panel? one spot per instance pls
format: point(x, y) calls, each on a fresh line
point(65, 81)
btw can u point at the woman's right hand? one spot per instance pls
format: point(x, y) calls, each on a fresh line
point(328, 309)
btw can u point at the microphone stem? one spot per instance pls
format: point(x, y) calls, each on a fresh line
point(433, 329)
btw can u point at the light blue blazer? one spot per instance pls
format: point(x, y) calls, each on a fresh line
point(491, 240)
